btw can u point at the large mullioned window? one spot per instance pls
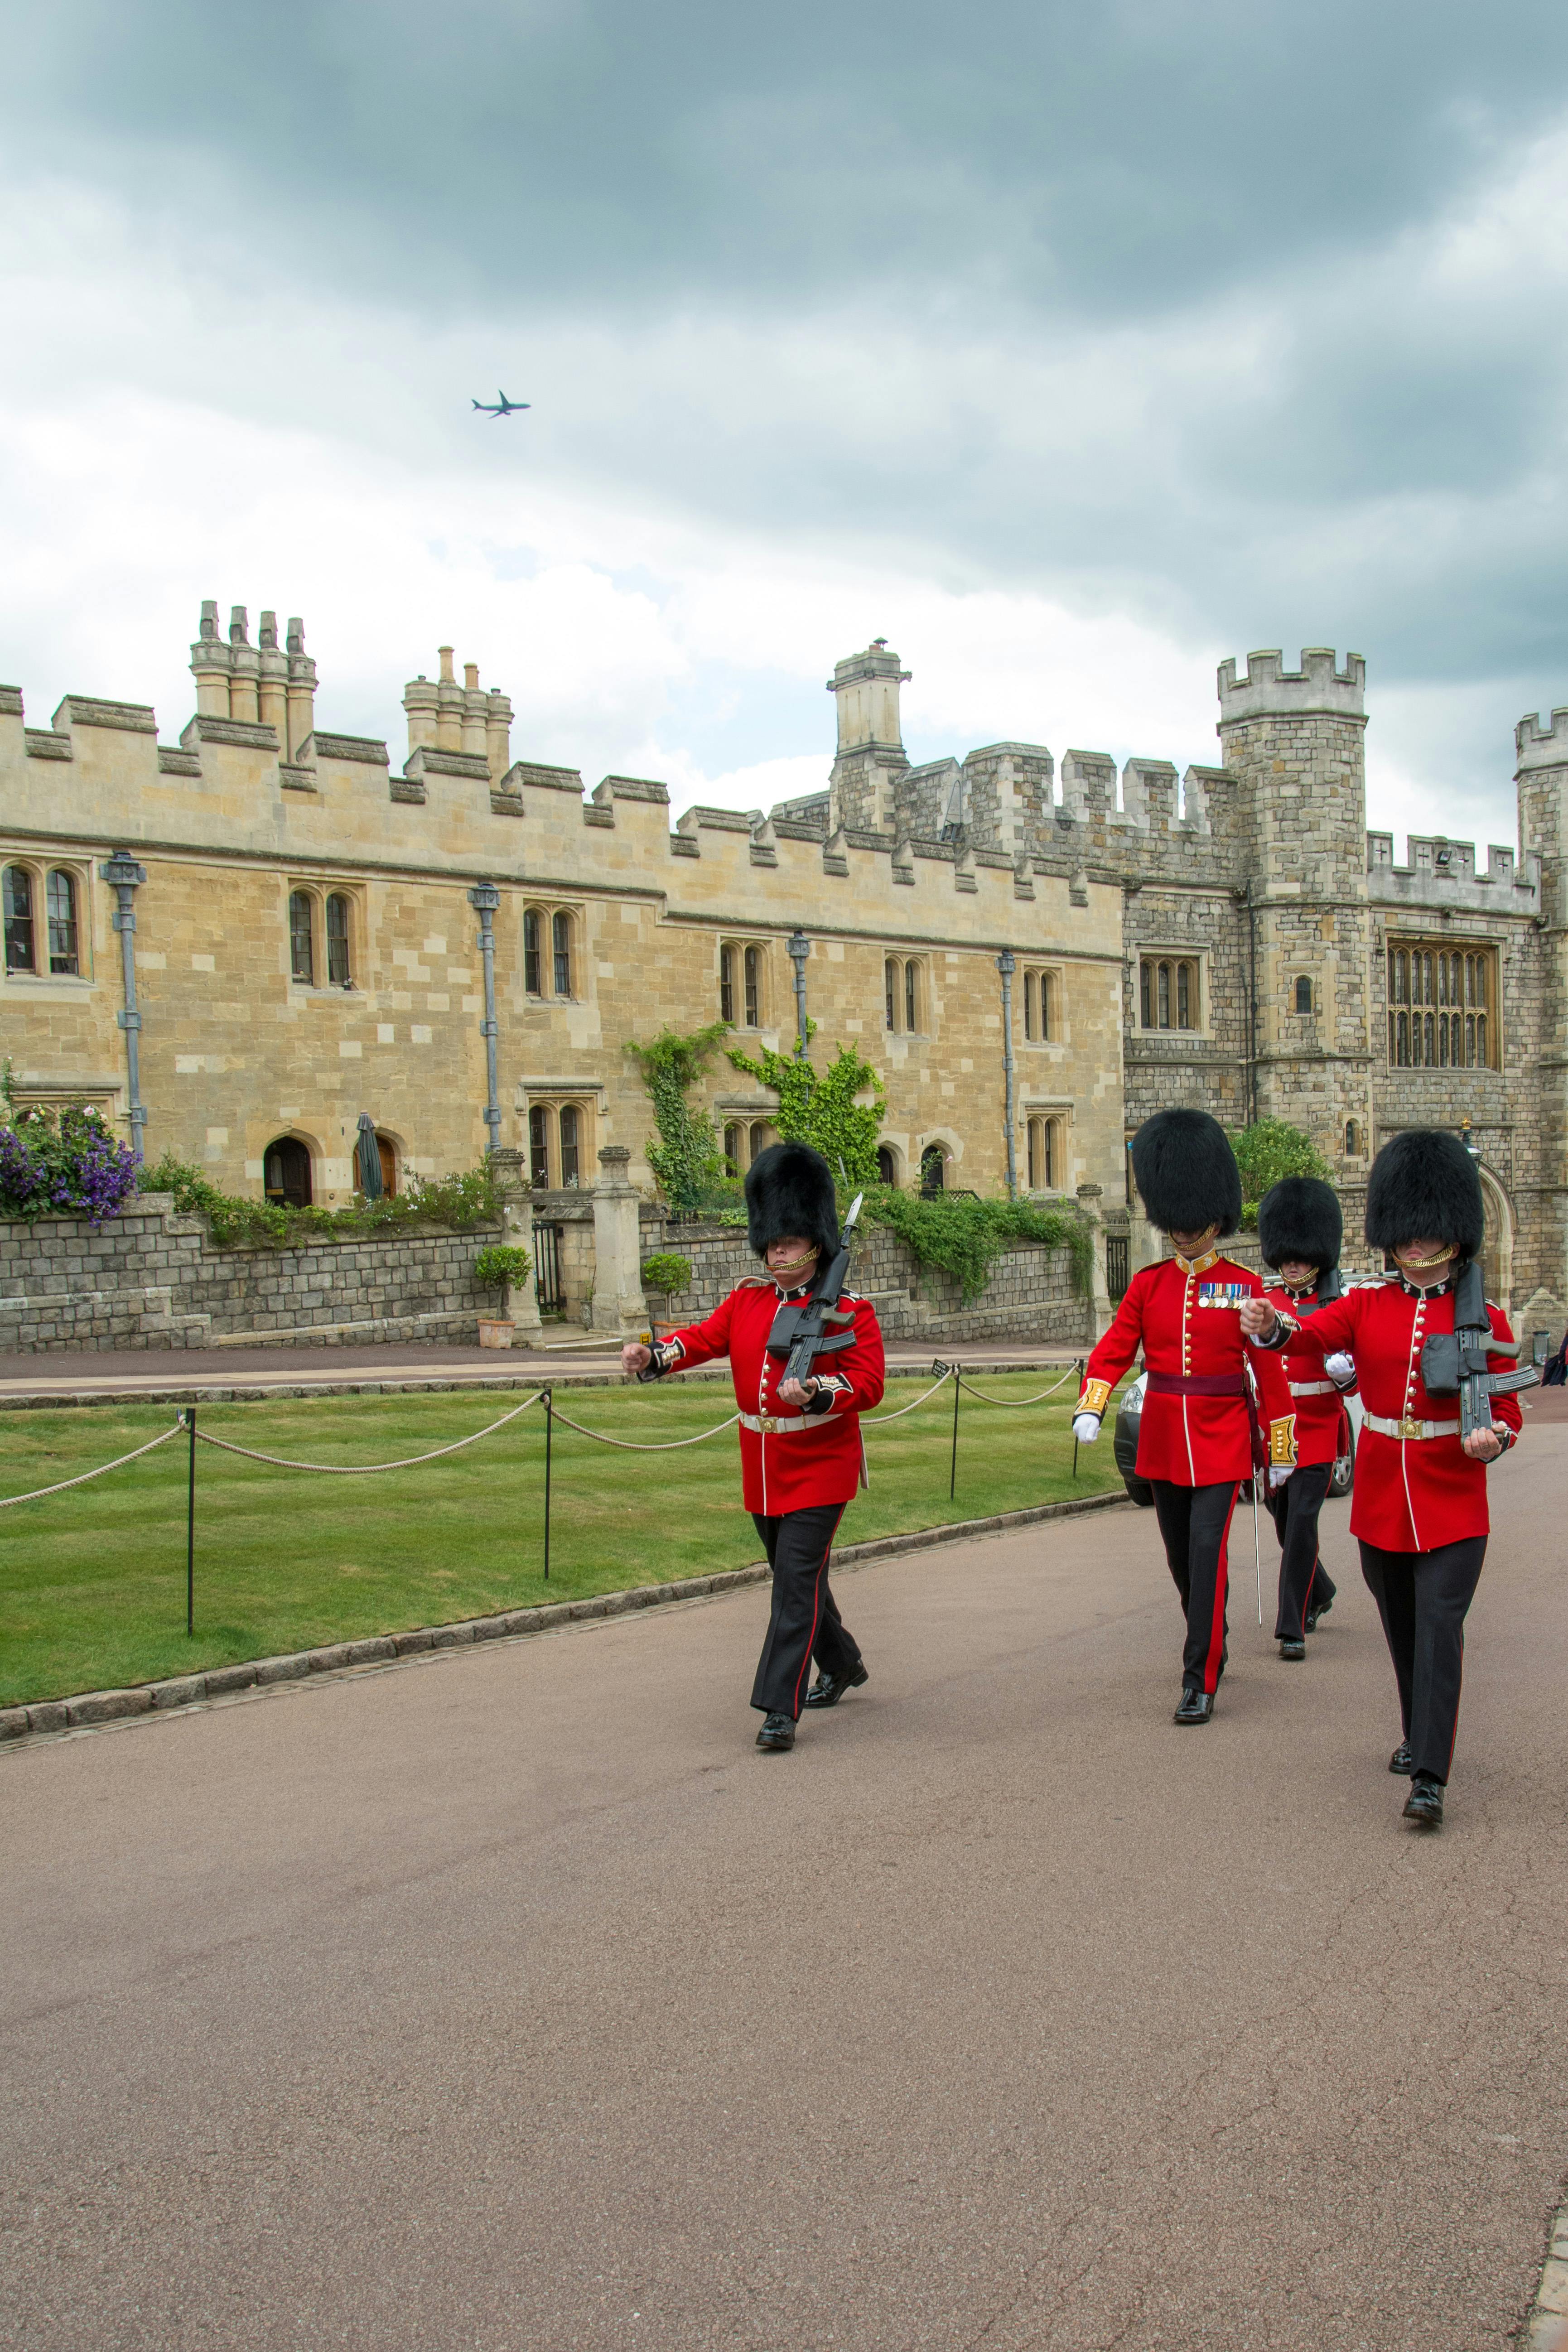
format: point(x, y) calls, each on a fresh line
point(1442, 1007)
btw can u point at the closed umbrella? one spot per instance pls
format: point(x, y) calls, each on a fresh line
point(367, 1159)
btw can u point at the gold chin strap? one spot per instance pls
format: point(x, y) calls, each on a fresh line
point(1439, 1258)
point(794, 1265)
point(1202, 1256)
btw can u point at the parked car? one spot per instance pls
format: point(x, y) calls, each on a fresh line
point(1129, 1420)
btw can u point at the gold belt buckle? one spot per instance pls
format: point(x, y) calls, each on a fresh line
point(768, 1423)
point(1408, 1428)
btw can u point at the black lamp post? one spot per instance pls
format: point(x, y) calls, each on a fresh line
point(126, 877)
point(484, 898)
point(799, 948)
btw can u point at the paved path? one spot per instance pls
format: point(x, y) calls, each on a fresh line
point(181, 1373)
point(513, 2000)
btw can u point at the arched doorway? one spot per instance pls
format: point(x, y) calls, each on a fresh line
point(386, 1153)
point(934, 1169)
point(1496, 1250)
point(286, 1173)
point(887, 1164)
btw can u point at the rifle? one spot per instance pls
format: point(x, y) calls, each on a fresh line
point(799, 1332)
point(1453, 1363)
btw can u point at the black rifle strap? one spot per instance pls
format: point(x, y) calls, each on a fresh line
point(1470, 1299)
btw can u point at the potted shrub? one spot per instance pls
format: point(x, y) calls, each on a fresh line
point(497, 1268)
point(665, 1275)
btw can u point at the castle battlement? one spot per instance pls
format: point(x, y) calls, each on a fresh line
point(1439, 874)
point(1539, 746)
point(1269, 690)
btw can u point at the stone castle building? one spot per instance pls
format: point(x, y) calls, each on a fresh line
point(238, 944)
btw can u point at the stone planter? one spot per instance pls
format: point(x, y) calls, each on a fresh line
point(495, 1331)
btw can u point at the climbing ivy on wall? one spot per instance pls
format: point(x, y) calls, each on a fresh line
point(819, 1106)
point(688, 1160)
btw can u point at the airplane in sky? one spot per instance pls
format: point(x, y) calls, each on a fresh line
point(507, 408)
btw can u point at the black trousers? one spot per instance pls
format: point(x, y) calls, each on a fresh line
point(1195, 1522)
point(1422, 1598)
point(804, 1622)
point(1304, 1582)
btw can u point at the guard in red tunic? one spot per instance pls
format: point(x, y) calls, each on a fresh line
point(802, 1456)
point(1419, 1510)
point(1214, 1410)
point(1299, 1229)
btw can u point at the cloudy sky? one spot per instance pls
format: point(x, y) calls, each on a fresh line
point(1068, 348)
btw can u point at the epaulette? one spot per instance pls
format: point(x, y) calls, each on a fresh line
point(755, 1282)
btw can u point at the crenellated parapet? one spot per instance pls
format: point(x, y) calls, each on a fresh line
point(1267, 689)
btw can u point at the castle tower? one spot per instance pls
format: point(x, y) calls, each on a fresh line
point(1541, 779)
point(872, 755)
point(1294, 742)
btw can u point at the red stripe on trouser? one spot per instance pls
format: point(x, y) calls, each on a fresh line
point(816, 1607)
point(1221, 1586)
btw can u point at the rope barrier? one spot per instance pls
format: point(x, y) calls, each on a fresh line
point(61, 1484)
point(981, 1398)
point(351, 1469)
point(630, 1445)
point(879, 1419)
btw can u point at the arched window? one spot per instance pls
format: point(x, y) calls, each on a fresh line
point(734, 1146)
point(1163, 985)
point(21, 955)
point(1168, 992)
point(754, 972)
point(338, 975)
point(911, 995)
point(533, 974)
point(1459, 987)
point(569, 1127)
point(561, 945)
point(1031, 1005)
point(286, 1173)
point(759, 1137)
point(386, 1153)
point(539, 1147)
point(60, 897)
point(301, 939)
point(1184, 996)
point(1303, 993)
point(1043, 1173)
point(727, 985)
point(934, 1169)
point(887, 1164)
point(1352, 1139)
point(890, 990)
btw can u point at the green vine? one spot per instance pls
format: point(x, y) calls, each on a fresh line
point(448, 1204)
point(963, 1239)
point(688, 1160)
point(818, 1107)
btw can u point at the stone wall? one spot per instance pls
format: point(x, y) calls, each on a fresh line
point(154, 1279)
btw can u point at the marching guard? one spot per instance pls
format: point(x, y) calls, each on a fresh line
point(1419, 1508)
point(1203, 1428)
point(801, 1455)
point(1299, 1229)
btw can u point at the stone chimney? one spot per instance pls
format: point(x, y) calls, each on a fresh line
point(446, 717)
point(871, 754)
point(301, 690)
point(209, 666)
point(272, 680)
point(243, 669)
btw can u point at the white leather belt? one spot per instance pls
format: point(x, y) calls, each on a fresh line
point(1313, 1387)
point(771, 1425)
point(1409, 1429)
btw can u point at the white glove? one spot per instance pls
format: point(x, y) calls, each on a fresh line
point(1086, 1427)
point(1340, 1369)
point(1278, 1475)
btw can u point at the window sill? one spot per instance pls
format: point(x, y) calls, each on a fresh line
point(49, 979)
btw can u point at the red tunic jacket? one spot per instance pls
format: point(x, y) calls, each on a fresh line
point(1410, 1494)
point(1322, 1424)
point(818, 1457)
point(1187, 1319)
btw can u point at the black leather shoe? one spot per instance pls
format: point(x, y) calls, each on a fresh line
point(1196, 1707)
point(828, 1689)
point(1322, 1609)
point(1402, 1760)
point(1423, 1805)
point(1294, 1650)
point(777, 1732)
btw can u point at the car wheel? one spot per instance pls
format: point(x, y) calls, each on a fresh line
point(1342, 1478)
point(1140, 1491)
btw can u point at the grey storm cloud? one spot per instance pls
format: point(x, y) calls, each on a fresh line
point(1139, 304)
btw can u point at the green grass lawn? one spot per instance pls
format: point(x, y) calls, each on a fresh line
point(92, 1583)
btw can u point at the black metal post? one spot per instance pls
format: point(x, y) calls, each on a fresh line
point(549, 1433)
point(957, 1393)
point(190, 1527)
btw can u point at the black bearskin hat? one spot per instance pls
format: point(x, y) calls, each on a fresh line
point(1299, 1218)
point(1425, 1185)
point(1185, 1171)
point(789, 1189)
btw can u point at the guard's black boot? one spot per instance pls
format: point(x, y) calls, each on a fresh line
point(1402, 1760)
point(777, 1732)
point(1294, 1650)
point(1318, 1609)
point(1196, 1705)
point(1423, 1805)
point(828, 1689)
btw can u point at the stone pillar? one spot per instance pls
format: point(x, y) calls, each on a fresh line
point(619, 1308)
point(522, 1308)
point(1088, 1199)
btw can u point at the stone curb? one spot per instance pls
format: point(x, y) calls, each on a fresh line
point(56, 1714)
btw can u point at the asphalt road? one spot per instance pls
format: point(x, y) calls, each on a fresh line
point(513, 2000)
